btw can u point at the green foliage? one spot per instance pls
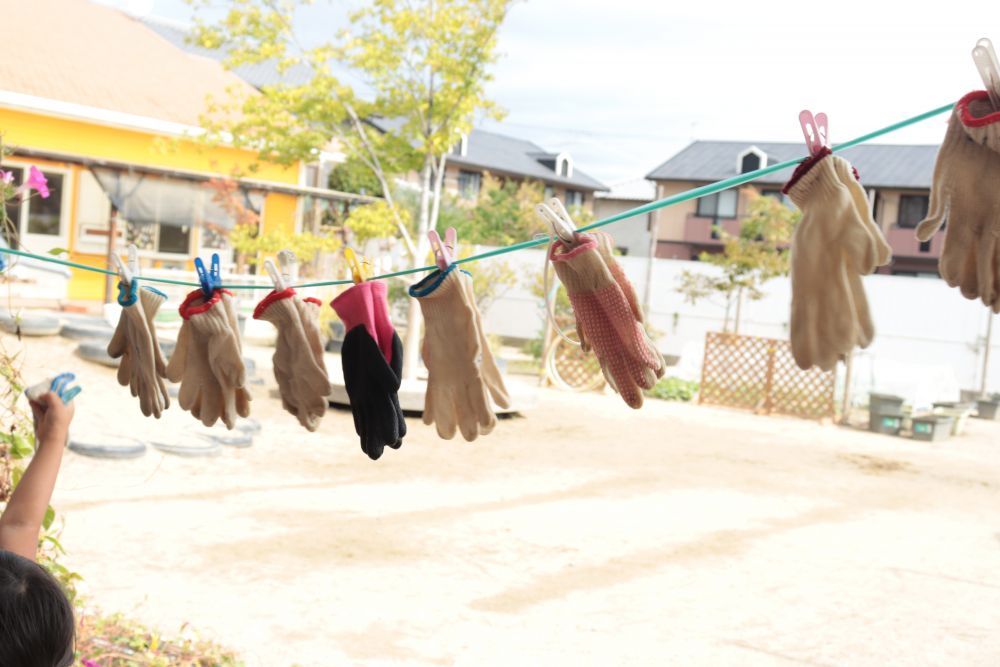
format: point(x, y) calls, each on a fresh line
point(674, 389)
point(249, 242)
point(116, 641)
point(504, 213)
point(353, 175)
point(749, 259)
point(374, 221)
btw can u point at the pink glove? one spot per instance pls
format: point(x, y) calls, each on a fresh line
point(366, 303)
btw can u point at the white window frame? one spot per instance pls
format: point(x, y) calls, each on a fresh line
point(36, 241)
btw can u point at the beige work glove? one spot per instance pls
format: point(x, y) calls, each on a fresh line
point(457, 392)
point(207, 360)
point(134, 344)
point(302, 382)
point(965, 193)
point(832, 247)
point(487, 366)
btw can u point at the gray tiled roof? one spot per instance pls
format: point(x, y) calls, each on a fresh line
point(880, 165)
point(503, 154)
point(257, 75)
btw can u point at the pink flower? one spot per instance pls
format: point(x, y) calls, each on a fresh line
point(90, 663)
point(6, 177)
point(36, 181)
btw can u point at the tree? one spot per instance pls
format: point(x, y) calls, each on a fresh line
point(504, 212)
point(424, 65)
point(749, 259)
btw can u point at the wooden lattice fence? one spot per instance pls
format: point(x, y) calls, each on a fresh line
point(760, 374)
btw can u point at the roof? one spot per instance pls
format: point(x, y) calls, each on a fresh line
point(880, 165)
point(498, 152)
point(636, 189)
point(257, 75)
point(83, 53)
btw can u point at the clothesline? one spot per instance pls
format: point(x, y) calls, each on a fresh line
point(687, 195)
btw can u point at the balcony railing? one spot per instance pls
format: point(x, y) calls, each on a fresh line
point(698, 229)
point(904, 243)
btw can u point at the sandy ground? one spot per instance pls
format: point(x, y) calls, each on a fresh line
point(584, 533)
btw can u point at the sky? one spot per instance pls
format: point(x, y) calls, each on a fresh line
point(622, 85)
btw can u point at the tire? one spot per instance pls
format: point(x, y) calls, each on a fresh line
point(247, 425)
point(222, 436)
point(110, 447)
point(31, 325)
point(96, 352)
point(206, 448)
point(86, 332)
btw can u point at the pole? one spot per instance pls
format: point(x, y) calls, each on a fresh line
point(986, 352)
point(845, 406)
point(109, 284)
point(647, 291)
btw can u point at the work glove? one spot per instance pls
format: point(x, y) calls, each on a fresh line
point(835, 243)
point(372, 367)
point(207, 360)
point(605, 320)
point(134, 342)
point(461, 371)
point(302, 380)
point(964, 194)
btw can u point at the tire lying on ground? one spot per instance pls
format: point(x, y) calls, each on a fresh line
point(108, 447)
point(76, 331)
point(192, 447)
point(31, 325)
point(233, 438)
point(246, 425)
point(96, 351)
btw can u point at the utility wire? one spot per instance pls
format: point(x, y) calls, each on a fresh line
point(687, 195)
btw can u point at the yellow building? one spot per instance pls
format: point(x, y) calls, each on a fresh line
point(109, 111)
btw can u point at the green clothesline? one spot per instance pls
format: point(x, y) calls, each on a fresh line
point(687, 195)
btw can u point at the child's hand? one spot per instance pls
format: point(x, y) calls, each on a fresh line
point(52, 418)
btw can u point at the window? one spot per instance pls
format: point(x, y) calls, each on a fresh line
point(469, 183)
point(35, 215)
point(750, 162)
point(548, 192)
point(574, 198)
point(925, 246)
point(719, 205)
point(912, 209)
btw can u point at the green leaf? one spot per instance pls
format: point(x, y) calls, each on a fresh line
point(15, 476)
point(58, 251)
point(50, 516)
point(20, 447)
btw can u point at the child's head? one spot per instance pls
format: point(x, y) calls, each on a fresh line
point(36, 619)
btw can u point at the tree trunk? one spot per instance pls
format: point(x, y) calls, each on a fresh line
point(739, 307)
point(725, 319)
point(414, 319)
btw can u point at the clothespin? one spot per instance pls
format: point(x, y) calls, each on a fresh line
point(127, 275)
point(443, 252)
point(815, 130)
point(989, 69)
point(276, 278)
point(287, 261)
point(358, 272)
point(288, 264)
point(210, 280)
point(554, 213)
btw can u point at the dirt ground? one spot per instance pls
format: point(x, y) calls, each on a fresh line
point(583, 533)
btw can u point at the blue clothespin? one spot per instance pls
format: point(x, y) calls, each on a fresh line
point(210, 280)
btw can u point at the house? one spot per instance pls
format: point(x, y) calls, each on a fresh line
point(632, 235)
point(509, 158)
point(109, 110)
point(896, 177)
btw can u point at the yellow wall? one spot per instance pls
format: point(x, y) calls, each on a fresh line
point(40, 132)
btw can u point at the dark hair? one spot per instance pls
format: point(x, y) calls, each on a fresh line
point(36, 618)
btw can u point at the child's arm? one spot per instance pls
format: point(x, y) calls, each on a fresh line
point(22, 520)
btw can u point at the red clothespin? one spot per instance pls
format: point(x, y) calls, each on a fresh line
point(443, 252)
point(816, 131)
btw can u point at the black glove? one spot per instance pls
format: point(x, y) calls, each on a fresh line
point(372, 385)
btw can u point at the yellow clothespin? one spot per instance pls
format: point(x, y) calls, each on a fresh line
point(359, 270)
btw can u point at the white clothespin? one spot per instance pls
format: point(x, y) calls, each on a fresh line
point(443, 252)
point(815, 130)
point(554, 213)
point(127, 274)
point(276, 278)
point(289, 265)
point(989, 69)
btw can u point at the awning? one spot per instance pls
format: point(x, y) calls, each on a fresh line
point(143, 198)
